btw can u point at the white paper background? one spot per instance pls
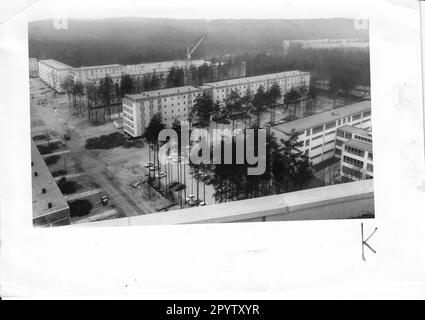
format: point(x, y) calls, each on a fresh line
point(312, 259)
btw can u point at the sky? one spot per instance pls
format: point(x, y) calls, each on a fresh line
point(199, 9)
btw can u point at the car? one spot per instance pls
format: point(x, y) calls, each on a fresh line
point(203, 203)
point(205, 176)
point(148, 164)
point(154, 168)
point(190, 197)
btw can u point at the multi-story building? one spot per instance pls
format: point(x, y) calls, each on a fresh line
point(95, 73)
point(49, 206)
point(33, 67)
point(318, 132)
point(286, 80)
point(53, 73)
point(354, 147)
point(327, 43)
point(174, 104)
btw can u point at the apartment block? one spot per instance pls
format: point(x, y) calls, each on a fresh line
point(174, 104)
point(220, 90)
point(318, 132)
point(49, 206)
point(53, 73)
point(33, 67)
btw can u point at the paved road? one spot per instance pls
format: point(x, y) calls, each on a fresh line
point(122, 200)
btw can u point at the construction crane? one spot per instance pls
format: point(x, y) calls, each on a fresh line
point(191, 49)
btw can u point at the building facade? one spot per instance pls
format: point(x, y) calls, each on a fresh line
point(220, 90)
point(173, 104)
point(318, 132)
point(176, 103)
point(354, 147)
point(53, 73)
point(33, 67)
point(327, 43)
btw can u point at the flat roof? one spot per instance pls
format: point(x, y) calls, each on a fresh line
point(55, 64)
point(44, 179)
point(162, 92)
point(359, 145)
point(99, 67)
point(264, 77)
point(355, 130)
point(323, 117)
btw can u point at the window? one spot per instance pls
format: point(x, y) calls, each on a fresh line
point(370, 156)
point(318, 137)
point(352, 172)
point(329, 142)
point(354, 162)
point(366, 114)
point(339, 142)
point(307, 132)
point(317, 129)
point(330, 125)
point(307, 142)
point(357, 117)
point(340, 133)
point(348, 135)
point(317, 147)
point(330, 132)
point(369, 167)
point(329, 151)
point(338, 152)
point(354, 151)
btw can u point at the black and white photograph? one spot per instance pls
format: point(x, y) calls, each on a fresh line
point(171, 120)
point(212, 149)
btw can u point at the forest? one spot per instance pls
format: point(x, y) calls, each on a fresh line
point(139, 40)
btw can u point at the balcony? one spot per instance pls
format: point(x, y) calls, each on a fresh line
point(342, 201)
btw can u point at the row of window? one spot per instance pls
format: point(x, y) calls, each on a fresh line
point(362, 138)
point(353, 162)
point(354, 151)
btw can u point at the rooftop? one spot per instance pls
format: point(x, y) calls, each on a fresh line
point(323, 117)
point(55, 64)
point(161, 92)
point(44, 180)
point(263, 77)
point(99, 67)
point(359, 145)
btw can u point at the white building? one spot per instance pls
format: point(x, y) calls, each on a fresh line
point(327, 43)
point(286, 80)
point(53, 73)
point(318, 132)
point(95, 73)
point(354, 147)
point(33, 67)
point(174, 104)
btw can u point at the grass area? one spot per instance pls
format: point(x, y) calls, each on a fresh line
point(79, 208)
point(52, 159)
point(39, 137)
point(113, 140)
point(59, 173)
point(46, 149)
point(67, 186)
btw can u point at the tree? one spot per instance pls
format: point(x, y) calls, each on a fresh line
point(105, 90)
point(234, 106)
point(151, 134)
point(68, 85)
point(259, 102)
point(126, 85)
point(274, 94)
point(77, 93)
point(202, 109)
point(292, 99)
